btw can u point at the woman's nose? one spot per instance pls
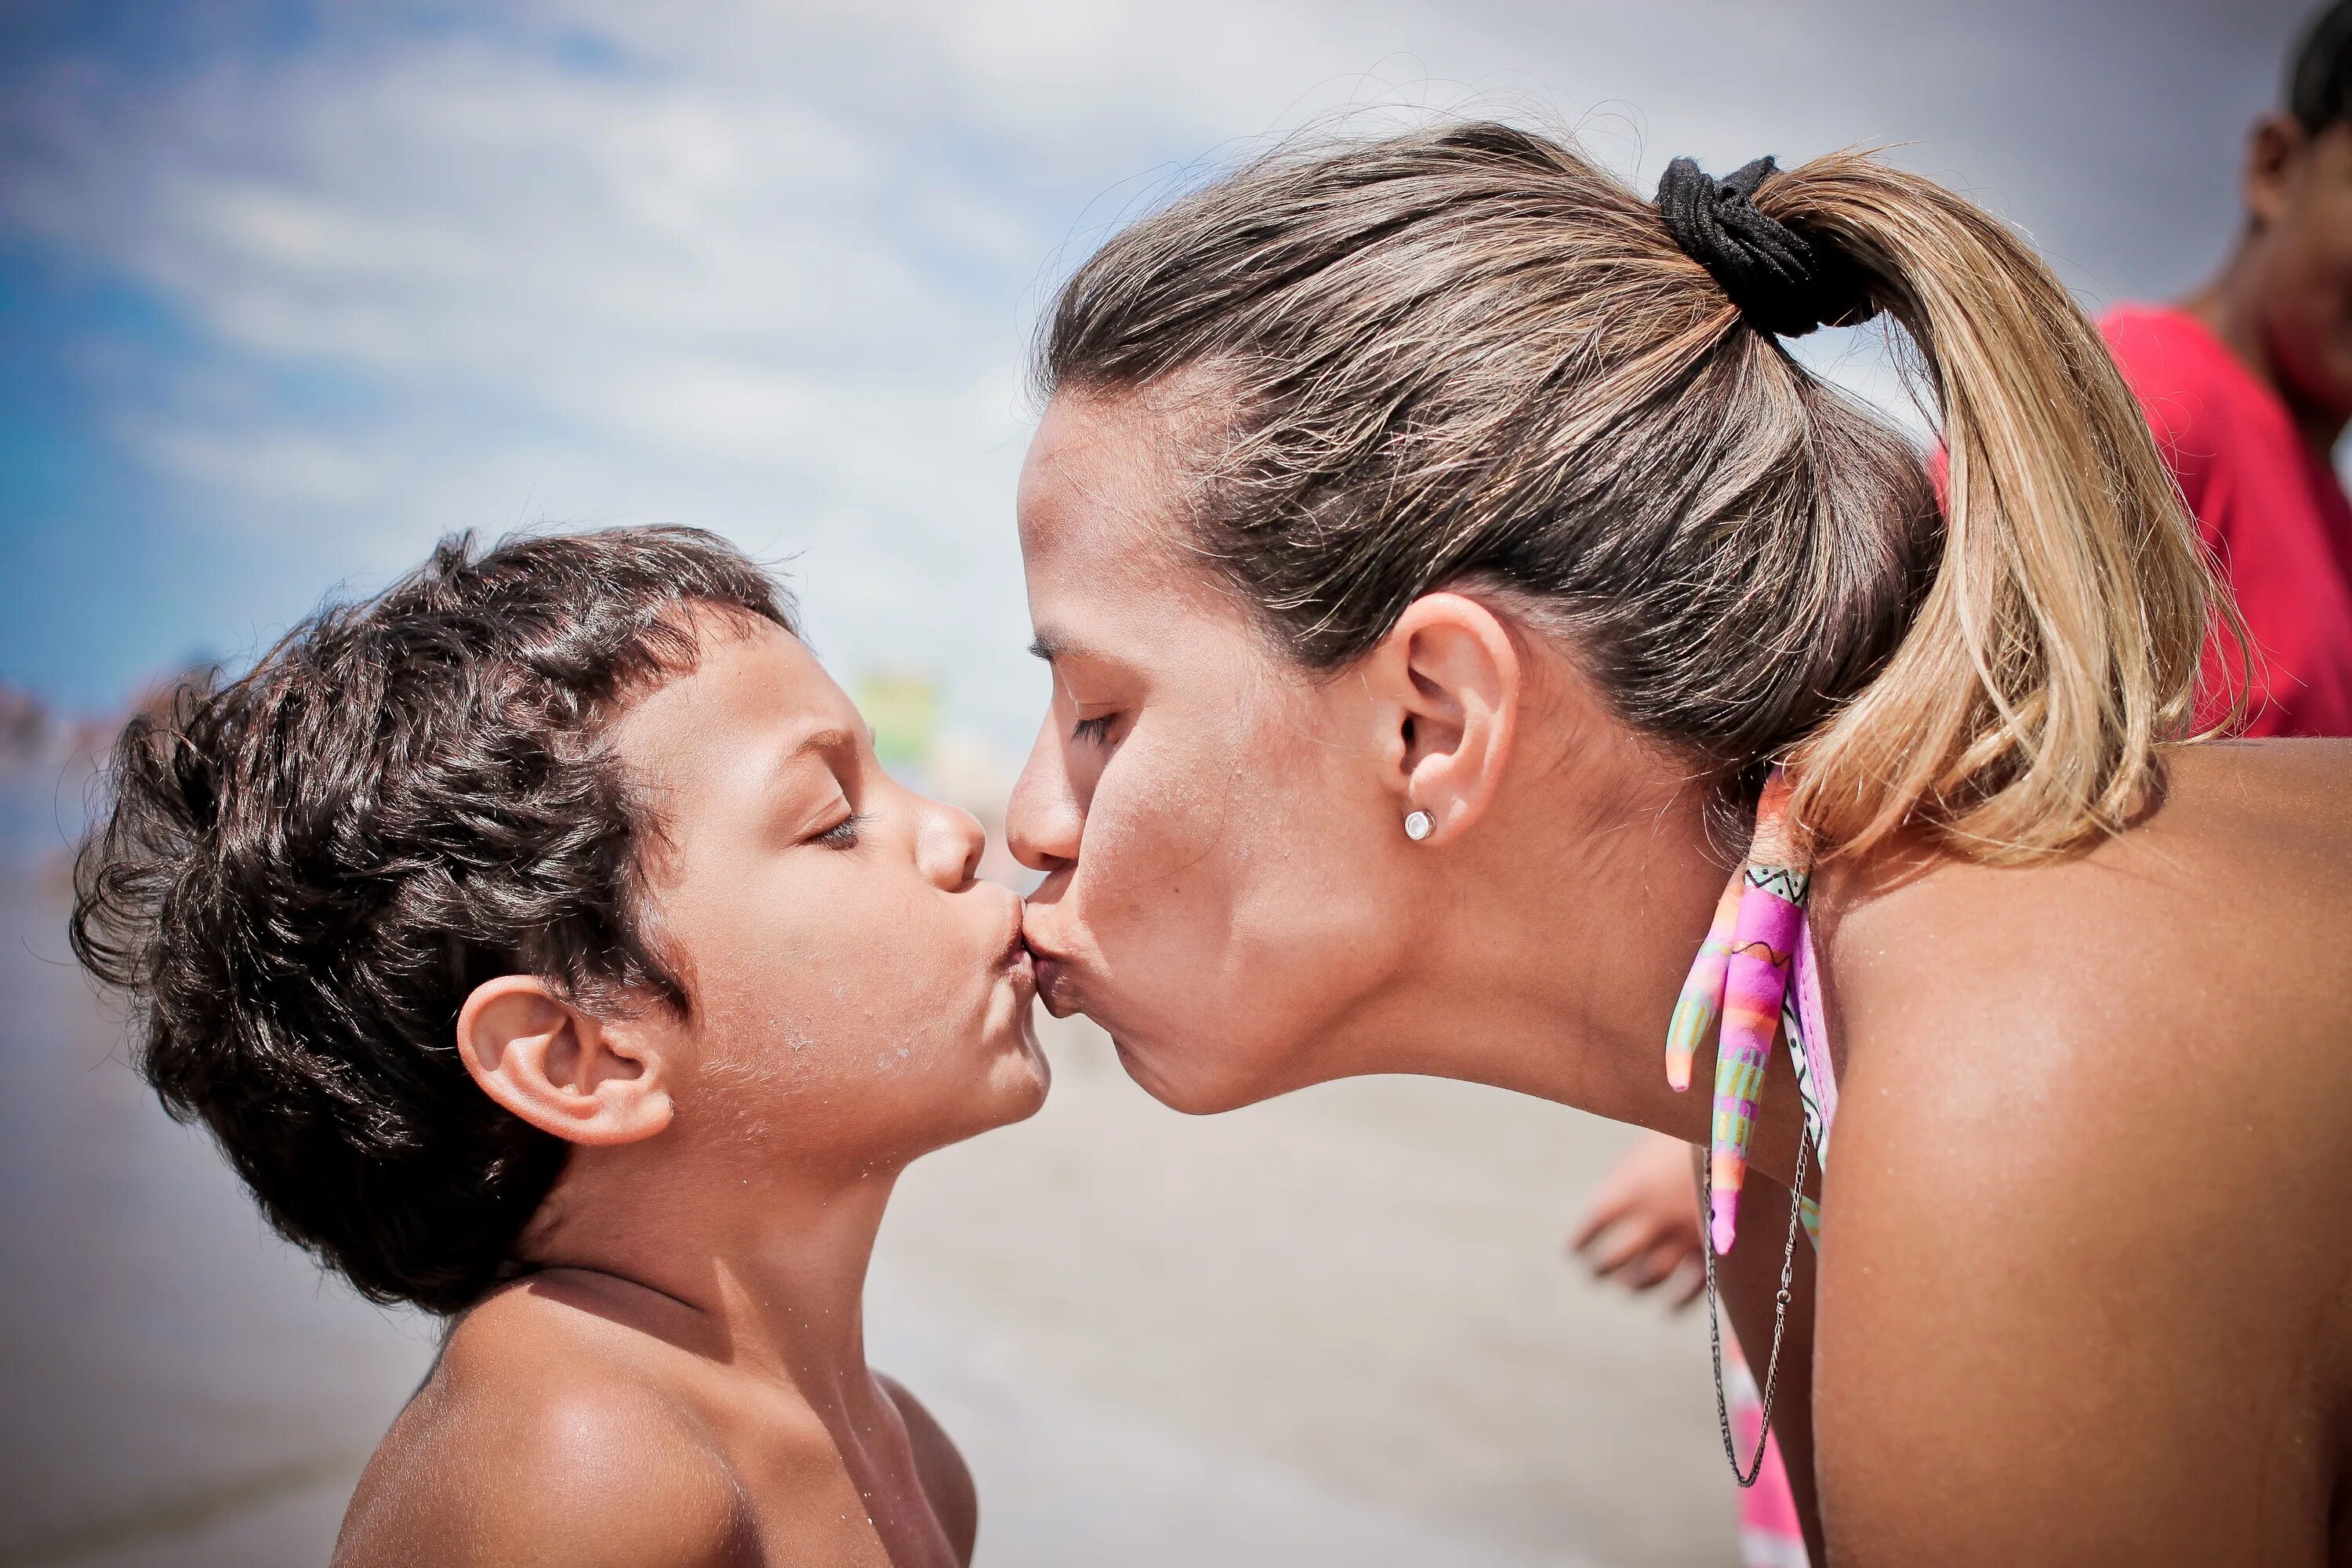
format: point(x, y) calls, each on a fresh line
point(1043, 820)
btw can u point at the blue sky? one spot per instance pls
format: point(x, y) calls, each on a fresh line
point(287, 290)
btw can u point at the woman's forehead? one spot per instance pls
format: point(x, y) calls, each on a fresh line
point(1092, 485)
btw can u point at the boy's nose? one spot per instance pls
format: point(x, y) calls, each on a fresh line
point(950, 844)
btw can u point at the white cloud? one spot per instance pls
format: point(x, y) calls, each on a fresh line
point(291, 469)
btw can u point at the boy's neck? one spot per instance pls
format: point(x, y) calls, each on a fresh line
point(762, 1268)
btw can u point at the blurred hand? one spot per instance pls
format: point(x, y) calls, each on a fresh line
point(1642, 1229)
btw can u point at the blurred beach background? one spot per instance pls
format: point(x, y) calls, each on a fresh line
point(287, 290)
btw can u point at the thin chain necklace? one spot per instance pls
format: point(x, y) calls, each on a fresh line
point(1747, 1477)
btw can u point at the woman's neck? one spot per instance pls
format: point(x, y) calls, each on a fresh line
point(1557, 978)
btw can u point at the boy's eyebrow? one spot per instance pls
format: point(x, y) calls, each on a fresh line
point(822, 741)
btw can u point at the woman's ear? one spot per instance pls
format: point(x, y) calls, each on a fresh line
point(559, 1068)
point(1447, 687)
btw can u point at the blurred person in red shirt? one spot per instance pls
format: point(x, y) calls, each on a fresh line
point(2248, 384)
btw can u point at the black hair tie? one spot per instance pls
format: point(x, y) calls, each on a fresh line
point(1783, 281)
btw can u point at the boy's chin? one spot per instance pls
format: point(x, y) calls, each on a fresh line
point(1008, 1086)
point(1019, 1077)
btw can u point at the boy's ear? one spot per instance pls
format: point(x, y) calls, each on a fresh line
point(1447, 685)
point(559, 1068)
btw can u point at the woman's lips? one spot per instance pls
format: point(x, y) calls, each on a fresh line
point(1052, 975)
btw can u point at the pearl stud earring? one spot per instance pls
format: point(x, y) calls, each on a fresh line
point(1418, 825)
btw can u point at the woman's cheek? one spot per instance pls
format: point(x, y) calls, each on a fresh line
point(1151, 853)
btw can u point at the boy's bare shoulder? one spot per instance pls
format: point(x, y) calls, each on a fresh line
point(541, 1435)
point(947, 1480)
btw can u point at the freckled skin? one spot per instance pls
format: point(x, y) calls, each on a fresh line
point(682, 1379)
point(2084, 1293)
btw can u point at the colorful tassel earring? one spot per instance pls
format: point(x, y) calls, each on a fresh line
point(1741, 974)
point(1702, 995)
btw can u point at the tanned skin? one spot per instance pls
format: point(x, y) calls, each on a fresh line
point(2085, 1290)
point(680, 1379)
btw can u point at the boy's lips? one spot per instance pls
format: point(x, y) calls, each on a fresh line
point(1015, 960)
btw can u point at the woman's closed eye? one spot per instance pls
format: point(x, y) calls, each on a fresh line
point(1093, 731)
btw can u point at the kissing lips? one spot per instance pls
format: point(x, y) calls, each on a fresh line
point(1014, 961)
point(1052, 980)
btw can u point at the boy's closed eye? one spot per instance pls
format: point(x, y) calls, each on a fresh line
point(821, 787)
point(841, 835)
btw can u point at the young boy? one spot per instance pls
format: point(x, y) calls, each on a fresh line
point(544, 946)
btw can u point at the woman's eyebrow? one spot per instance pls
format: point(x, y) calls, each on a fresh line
point(1051, 646)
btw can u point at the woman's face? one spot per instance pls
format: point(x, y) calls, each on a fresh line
point(1218, 891)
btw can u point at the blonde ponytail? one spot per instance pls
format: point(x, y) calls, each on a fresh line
point(2059, 642)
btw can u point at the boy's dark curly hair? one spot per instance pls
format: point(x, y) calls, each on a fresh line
point(303, 873)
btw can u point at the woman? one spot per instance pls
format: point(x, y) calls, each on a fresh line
point(1438, 557)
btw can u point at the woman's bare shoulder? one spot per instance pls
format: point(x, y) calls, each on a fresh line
point(2180, 985)
point(2269, 802)
point(2089, 1126)
point(2145, 1043)
point(2226, 912)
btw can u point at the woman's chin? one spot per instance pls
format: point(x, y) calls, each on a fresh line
point(1057, 986)
point(1184, 1089)
point(1170, 1071)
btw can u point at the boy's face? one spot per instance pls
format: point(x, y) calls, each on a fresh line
point(855, 997)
